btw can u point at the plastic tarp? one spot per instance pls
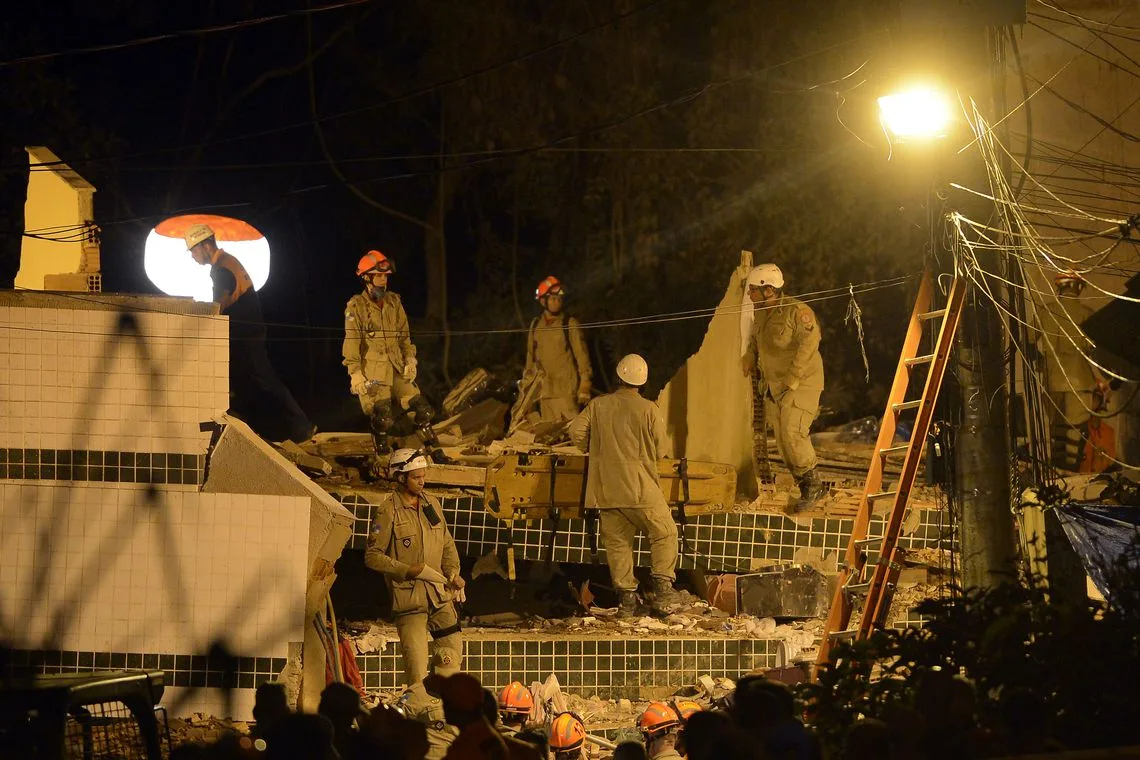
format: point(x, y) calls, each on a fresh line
point(1102, 535)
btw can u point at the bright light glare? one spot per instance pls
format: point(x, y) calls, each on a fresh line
point(170, 268)
point(919, 113)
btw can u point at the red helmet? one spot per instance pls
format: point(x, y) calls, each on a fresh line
point(658, 719)
point(374, 261)
point(550, 286)
point(567, 733)
point(515, 700)
point(1069, 279)
point(684, 707)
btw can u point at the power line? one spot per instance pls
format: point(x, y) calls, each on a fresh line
point(337, 333)
point(174, 35)
point(1110, 24)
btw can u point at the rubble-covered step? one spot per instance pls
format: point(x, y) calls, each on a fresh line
point(637, 665)
point(726, 542)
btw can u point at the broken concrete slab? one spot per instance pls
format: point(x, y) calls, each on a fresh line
point(795, 592)
point(310, 464)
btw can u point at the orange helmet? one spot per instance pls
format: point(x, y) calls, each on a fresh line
point(515, 700)
point(567, 733)
point(657, 719)
point(684, 707)
point(374, 261)
point(550, 286)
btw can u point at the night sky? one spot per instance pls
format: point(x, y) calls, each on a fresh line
point(221, 118)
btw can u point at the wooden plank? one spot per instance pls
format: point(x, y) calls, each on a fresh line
point(519, 485)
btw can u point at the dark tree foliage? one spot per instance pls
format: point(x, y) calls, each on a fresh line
point(1079, 663)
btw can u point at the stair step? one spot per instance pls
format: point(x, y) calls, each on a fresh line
point(936, 314)
point(905, 405)
point(924, 359)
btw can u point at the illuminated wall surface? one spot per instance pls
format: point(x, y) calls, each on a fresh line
point(169, 265)
point(59, 202)
point(92, 418)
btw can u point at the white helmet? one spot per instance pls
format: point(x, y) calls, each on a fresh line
point(406, 460)
point(766, 274)
point(632, 370)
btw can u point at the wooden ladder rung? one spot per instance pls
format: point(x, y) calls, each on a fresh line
point(881, 495)
point(929, 315)
point(894, 450)
point(857, 588)
point(905, 405)
point(924, 359)
point(850, 633)
point(861, 542)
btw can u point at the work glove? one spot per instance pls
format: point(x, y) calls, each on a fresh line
point(410, 369)
point(358, 383)
point(584, 393)
point(458, 588)
point(747, 365)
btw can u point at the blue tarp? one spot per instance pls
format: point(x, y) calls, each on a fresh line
point(1102, 536)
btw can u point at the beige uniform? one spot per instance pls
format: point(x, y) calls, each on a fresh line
point(402, 536)
point(556, 349)
point(421, 706)
point(622, 433)
point(377, 346)
point(785, 348)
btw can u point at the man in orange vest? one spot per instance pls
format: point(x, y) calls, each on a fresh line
point(252, 379)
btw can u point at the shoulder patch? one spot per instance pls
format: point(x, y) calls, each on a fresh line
point(807, 318)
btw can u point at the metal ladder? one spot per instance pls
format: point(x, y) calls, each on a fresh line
point(853, 580)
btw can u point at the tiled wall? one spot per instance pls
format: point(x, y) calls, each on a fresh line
point(117, 568)
point(725, 542)
point(99, 380)
point(610, 668)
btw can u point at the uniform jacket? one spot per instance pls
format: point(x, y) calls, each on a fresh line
point(622, 433)
point(428, 709)
point(559, 351)
point(402, 536)
point(375, 335)
point(785, 346)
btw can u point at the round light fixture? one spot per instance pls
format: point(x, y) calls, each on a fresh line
point(169, 266)
point(919, 113)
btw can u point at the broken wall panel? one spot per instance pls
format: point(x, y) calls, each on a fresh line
point(707, 404)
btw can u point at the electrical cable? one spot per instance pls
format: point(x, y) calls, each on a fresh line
point(174, 35)
point(814, 297)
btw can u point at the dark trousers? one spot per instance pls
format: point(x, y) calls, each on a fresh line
point(259, 396)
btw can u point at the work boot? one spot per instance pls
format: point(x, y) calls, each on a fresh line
point(811, 489)
point(380, 444)
point(436, 455)
point(629, 605)
point(664, 599)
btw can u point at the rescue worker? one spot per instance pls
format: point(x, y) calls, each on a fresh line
point(659, 725)
point(425, 706)
point(516, 704)
point(410, 544)
point(556, 356)
point(685, 708)
point(622, 432)
point(462, 696)
point(253, 383)
point(381, 358)
point(567, 737)
point(784, 348)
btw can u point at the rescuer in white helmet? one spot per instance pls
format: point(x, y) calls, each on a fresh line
point(784, 348)
point(622, 432)
point(410, 544)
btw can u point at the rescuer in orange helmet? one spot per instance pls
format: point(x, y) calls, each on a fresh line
point(567, 737)
point(381, 358)
point(516, 704)
point(659, 725)
point(556, 355)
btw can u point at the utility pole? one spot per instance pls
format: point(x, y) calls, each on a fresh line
point(966, 33)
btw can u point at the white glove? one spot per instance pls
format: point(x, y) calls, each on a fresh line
point(410, 369)
point(358, 384)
